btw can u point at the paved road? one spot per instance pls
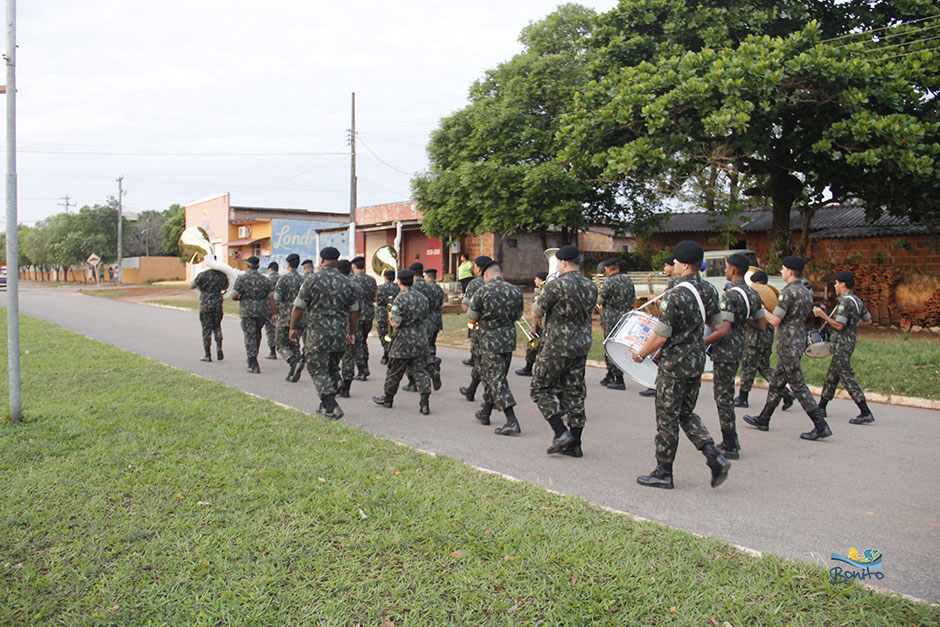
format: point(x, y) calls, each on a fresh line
point(866, 487)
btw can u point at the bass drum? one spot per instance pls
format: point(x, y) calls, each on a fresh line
point(817, 344)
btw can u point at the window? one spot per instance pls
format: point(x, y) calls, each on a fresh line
point(255, 250)
point(511, 242)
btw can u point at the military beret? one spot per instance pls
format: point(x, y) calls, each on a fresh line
point(541, 275)
point(293, 259)
point(417, 267)
point(389, 274)
point(492, 264)
point(689, 252)
point(482, 260)
point(359, 262)
point(613, 262)
point(344, 266)
point(406, 274)
point(431, 271)
point(273, 266)
point(329, 253)
point(307, 262)
point(253, 261)
point(794, 263)
point(567, 253)
point(759, 277)
point(846, 277)
point(670, 261)
point(739, 261)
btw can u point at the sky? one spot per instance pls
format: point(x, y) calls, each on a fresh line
point(187, 99)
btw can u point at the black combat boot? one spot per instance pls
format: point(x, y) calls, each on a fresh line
point(512, 424)
point(207, 348)
point(253, 366)
point(384, 360)
point(271, 355)
point(342, 390)
point(617, 383)
point(218, 354)
point(435, 373)
point(563, 438)
point(730, 447)
point(574, 449)
point(823, 402)
point(761, 421)
point(741, 400)
point(609, 377)
point(470, 391)
point(384, 401)
point(424, 404)
point(365, 372)
point(788, 399)
point(659, 478)
point(820, 428)
point(718, 463)
point(410, 386)
point(468, 361)
point(298, 370)
point(648, 392)
point(483, 414)
point(864, 417)
point(329, 408)
point(292, 362)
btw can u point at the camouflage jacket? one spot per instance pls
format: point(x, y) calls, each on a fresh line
point(410, 312)
point(474, 284)
point(738, 310)
point(272, 277)
point(367, 288)
point(327, 298)
point(565, 306)
point(384, 295)
point(616, 296)
point(850, 310)
point(285, 291)
point(435, 316)
point(759, 339)
point(211, 284)
point(673, 281)
point(795, 308)
point(497, 305)
point(253, 290)
point(681, 322)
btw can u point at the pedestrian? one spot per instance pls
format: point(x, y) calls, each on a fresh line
point(285, 292)
point(532, 353)
point(495, 307)
point(479, 263)
point(845, 319)
point(384, 295)
point(270, 329)
point(348, 360)
point(679, 339)
point(464, 272)
point(564, 311)
point(794, 309)
point(255, 297)
point(327, 304)
point(614, 299)
point(211, 285)
point(367, 288)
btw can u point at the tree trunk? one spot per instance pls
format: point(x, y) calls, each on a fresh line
point(783, 188)
point(544, 236)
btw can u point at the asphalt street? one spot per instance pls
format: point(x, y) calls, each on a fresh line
point(868, 487)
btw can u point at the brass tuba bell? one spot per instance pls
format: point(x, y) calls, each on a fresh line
point(383, 259)
point(194, 245)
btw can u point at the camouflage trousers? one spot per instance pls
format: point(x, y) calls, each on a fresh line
point(416, 367)
point(251, 328)
point(362, 350)
point(724, 372)
point(381, 327)
point(432, 341)
point(840, 369)
point(270, 332)
point(790, 372)
point(357, 354)
point(675, 405)
point(211, 322)
point(756, 359)
point(493, 370)
point(558, 386)
point(612, 368)
point(475, 356)
point(323, 367)
point(290, 351)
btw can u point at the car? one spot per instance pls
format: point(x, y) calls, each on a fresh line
point(3, 278)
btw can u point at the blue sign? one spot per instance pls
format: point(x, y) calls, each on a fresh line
point(297, 236)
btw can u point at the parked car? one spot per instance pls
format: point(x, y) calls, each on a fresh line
point(3, 278)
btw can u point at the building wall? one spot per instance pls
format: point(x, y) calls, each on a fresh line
point(908, 254)
point(389, 212)
point(135, 270)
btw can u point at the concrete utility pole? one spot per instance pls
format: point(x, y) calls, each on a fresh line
point(120, 251)
point(352, 182)
point(13, 270)
point(67, 203)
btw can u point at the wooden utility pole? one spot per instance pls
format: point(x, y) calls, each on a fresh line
point(120, 208)
point(352, 181)
point(67, 203)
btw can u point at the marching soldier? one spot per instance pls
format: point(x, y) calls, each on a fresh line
point(431, 293)
point(684, 312)
point(794, 309)
point(384, 295)
point(255, 296)
point(368, 287)
point(409, 348)
point(285, 291)
point(330, 308)
point(211, 285)
point(850, 311)
point(669, 269)
point(270, 328)
point(496, 306)
point(436, 317)
point(615, 298)
point(307, 266)
point(740, 306)
point(476, 283)
point(348, 360)
point(564, 309)
point(532, 353)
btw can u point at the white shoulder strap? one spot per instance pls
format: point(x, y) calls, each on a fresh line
point(854, 300)
point(698, 297)
point(747, 301)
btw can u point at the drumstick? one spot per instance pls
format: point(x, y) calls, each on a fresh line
point(653, 300)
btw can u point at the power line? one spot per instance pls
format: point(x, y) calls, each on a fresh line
point(876, 30)
point(886, 37)
point(181, 154)
point(386, 164)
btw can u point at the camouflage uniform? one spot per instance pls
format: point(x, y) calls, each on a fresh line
point(726, 353)
point(285, 291)
point(681, 363)
point(850, 310)
point(270, 329)
point(327, 299)
point(496, 306)
point(384, 295)
point(367, 288)
point(616, 296)
point(430, 292)
point(435, 317)
point(756, 356)
point(565, 306)
point(532, 353)
point(211, 284)
point(350, 352)
point(253, 290)
point(409, 348)
point(795, 308)
point(475, 284)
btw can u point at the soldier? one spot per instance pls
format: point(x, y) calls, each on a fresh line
point(669, 269)
point(564, 308)
point(478, 264)
point(270, 329)
point(740, 306)
point(850, 311)
point(794, 309)
point(255, 297)
point(614, 299)
point(496, 306)
point(678, 337)
point(211, 285)
point(307, 266)
point(348, 360)
point(532, 353)
point(435, 298)
point(384, 295)
point(436, 317)
point(285, 292)
point(409, 348)
point(367, 287)
point(327, 303)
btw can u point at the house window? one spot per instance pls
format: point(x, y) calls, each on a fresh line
point(511, 242)
point(255, 250)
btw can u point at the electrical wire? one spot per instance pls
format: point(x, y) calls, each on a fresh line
point(380, 160)
point(876, 30)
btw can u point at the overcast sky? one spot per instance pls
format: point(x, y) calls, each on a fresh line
point(188, 99)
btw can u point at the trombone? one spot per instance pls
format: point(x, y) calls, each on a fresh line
point(388, 315)
point(532, 338)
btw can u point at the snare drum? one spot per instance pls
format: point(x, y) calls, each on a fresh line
point(817, 344)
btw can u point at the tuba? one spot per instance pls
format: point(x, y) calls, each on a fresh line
point(194, 245)
point(552, 263)
point(383, 259)
point(388, 315)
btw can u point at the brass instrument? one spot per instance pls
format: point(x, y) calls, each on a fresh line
point(194, 244)
point(384, 258)
point(599, 282)
point(552, 263)
point(532, 338)
point(388, 315)
point(473, 325)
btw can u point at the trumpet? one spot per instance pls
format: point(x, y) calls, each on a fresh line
point(473, 325)
point(532, 338)
point(599, 282)
point(388, 314)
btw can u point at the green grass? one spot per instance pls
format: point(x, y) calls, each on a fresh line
point(134, 493)
point(228, 306)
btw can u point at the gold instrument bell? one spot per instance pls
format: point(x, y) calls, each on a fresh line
point(388, 316)
point(532, 338)
point(383, 259)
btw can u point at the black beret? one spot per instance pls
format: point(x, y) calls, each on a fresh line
point(307, 262)
point(389, 274)
point(567, 253)
point(541, 275)
point(794, 263)
point(492, 264)
point(293, 259)
point(253, 261)
point(482, 260)
point(846, 277)
point(739, 261)
point(670, 261)
point(613, 262)
point(431, 271)
point(417, 267)
point(344, 266)
point(273, 266)
point(406, 274)
point(759, 277)
point(689, 252)
point(359, 262)
point(329, 253)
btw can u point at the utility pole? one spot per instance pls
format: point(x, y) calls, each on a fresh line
point(66, 204)
point(13, 270)
point(120, 208)
point(352, 182)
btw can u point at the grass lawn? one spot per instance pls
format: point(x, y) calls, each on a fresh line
point(228, 306)
point(138, 494)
